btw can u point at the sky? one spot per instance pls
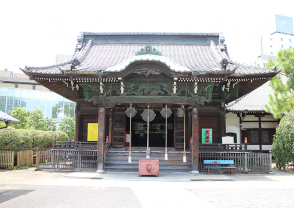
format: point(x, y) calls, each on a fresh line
point(33, 32)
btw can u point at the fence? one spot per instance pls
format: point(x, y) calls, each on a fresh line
point(67, 159)
point(25, 158)
point(6, 159)
point(244, 161)
point(74, 145)
point(87, 160)
point(222, 147)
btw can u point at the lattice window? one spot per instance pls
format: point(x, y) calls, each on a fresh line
point(254, 135)
point(265, 136)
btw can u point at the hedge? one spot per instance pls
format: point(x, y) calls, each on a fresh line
point(20, 139)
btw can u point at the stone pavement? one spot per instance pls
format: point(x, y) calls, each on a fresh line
point(169, 190)
point(32, 176)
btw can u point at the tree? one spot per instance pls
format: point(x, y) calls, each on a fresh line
point(270, 63)
point(49, 124)
point(282, 101)
point(36, 119)
point(67, 125)
point(283, 143)
point(20, 114)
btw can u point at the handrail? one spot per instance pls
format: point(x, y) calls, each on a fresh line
point(227, 147)
point(74, 145)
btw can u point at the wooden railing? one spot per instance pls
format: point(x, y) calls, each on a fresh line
point(244, 161)
point(74, 145)
point(67, 159)
point(87, 160)
point(222, 147)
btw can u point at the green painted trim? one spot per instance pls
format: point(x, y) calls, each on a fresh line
point(148, 50)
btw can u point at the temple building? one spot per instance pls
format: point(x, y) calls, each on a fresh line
point(151, 90)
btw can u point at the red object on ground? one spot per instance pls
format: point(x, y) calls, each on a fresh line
point(148, 167)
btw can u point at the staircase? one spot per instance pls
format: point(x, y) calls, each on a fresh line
point(117, 160)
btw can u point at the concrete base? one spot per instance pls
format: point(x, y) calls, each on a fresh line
point(100, 171)
point(195, 172)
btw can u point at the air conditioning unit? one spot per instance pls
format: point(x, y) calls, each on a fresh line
point(227, 140)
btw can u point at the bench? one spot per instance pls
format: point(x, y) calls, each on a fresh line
point(219, 164)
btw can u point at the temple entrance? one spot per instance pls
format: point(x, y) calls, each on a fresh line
point(156, 131)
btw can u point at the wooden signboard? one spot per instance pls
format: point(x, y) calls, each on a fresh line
point(92, 131)
point(206, 135)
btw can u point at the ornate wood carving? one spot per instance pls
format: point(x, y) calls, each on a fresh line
point(148, 50)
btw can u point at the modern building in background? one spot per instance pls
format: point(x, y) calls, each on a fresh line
point(278, 35)
point(17, 90)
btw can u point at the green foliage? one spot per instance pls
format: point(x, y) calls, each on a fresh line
point(36, 119)
point(20, 139)
point(2, 124)
point(67, 125)
point(270, 63)
point(20, 114)
point(49, 125)
point(282, 101)
point(283, 143)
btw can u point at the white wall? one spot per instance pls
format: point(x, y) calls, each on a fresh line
point(232, 125)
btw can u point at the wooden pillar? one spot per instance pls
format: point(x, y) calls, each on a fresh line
point(224, 124)
point(101, 139)
point(189, 130)
point(110, 128)
point(259, 133)
point(78, 121)
point(195, 139)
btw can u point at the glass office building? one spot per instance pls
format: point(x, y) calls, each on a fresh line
point(53, 105)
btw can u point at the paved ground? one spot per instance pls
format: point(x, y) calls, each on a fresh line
point(192, 193)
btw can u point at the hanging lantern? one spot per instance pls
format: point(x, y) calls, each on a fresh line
point(169, 112)
point(134, 112)
point(145, 115)
point(180, 112)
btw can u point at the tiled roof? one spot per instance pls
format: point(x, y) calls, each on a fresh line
point(190, 57)
point(253, 101)
point(5, 117)
point(151, 33)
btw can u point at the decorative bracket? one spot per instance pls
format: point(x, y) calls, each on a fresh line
point(195, 87)
point(175, 85)
point(101, 87)
point(148, 50)
point(235, 84)
point(121, 85)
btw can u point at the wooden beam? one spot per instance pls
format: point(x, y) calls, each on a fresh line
point(110, 127)
point(101, 138)
point(195, 139)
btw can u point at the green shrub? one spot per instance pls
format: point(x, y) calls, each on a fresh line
point(283, 143)
point(19, 139)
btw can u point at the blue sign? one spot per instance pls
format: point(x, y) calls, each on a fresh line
point(284, 24)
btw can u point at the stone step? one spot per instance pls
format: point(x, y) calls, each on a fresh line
point(117, 160)
point(172, 170)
